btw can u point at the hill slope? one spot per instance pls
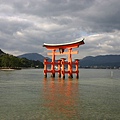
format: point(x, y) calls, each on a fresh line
point(1, 52)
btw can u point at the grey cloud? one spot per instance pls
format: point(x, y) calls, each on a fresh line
point(26, 25)
point(46, 8)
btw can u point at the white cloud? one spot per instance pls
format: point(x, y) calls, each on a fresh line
point(104, 43)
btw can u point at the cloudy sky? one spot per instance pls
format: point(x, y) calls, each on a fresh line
point(26, 24)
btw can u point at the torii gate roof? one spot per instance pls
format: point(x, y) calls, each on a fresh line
point(74, 44)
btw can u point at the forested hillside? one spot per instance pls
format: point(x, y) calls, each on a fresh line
point(10, 61)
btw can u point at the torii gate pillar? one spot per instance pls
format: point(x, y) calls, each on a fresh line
point(53, 64)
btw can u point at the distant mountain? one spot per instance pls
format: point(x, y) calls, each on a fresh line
point(101, 60)
point(33, 56)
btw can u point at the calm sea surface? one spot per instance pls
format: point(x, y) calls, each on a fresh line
point(26, 95)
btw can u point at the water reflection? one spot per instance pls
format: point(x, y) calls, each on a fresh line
point(61, 97)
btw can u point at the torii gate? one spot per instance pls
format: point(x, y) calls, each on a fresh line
point(61, 63)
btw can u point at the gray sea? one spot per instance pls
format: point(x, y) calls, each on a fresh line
point(26, 95)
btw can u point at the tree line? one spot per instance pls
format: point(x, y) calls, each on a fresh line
point(10, 61)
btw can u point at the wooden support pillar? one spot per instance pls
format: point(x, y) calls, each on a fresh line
point(70, 63)
point(77, 69)
point(59, 68)
point(45, 67)
point(63, 67)
point(53, 64)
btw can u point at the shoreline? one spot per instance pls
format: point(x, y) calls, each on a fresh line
point(10, 69)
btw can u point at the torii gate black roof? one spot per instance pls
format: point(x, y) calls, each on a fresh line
point(74, 44)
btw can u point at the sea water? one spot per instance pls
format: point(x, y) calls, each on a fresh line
point(26, 95)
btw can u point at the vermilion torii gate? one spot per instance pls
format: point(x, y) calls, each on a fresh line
point(61, 63)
